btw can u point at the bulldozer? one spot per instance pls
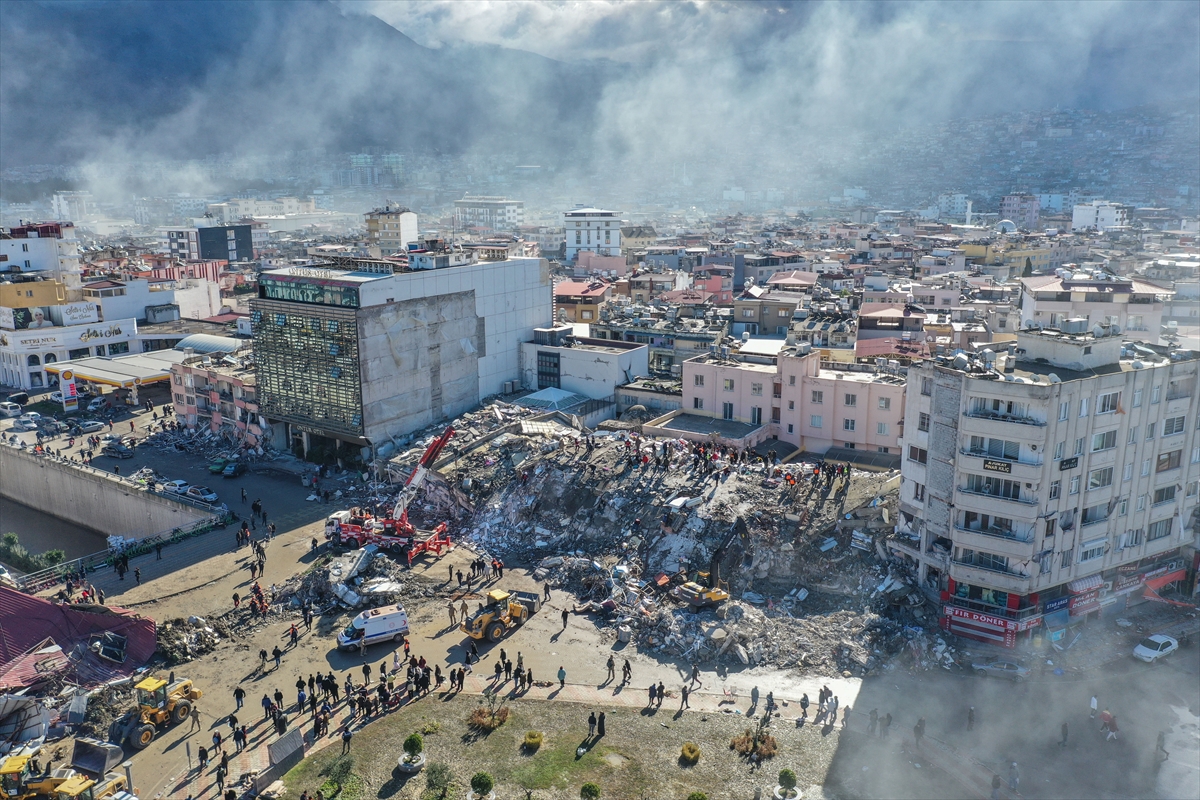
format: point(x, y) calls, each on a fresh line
point(160, 703)
point(708, 589)
point(504, 611)
point(88, 778)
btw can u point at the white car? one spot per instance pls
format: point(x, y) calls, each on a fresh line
point(202, 493)
point(22, 424)
point(97, 404)
point(30, 416)
point(1155, 647)
point(176, 487)
point(56, 397)
point(110, 438)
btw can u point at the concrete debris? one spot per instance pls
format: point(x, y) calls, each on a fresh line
point(181, 640)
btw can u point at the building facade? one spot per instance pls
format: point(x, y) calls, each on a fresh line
point(1043, 488)
point(222, 242)
point(1097, 297)
point(220, 397)
point(1022, 209)
point(495, 213)
point(593, 229)
point(392, 229)
point(1099, 214)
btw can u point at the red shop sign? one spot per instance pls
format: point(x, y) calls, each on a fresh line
point(983, 619)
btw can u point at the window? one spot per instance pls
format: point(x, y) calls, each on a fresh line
point(1193, 489)
point(1137, 398)
point(818, 397)
point(1055, 489)
point(1145, 467)
point(1091, 550)
point(1141, 503)
point(1127, 474)
point(881, 429)
point(585, 314)
point(1168, 461)
point(1083, 406)
point(697, 380)
point(1150, 431)
point(922, 422)
point(728, 384)
point(755, 415)
point(1066, 559)
point(697, 403)
point(927, 386)
point(548, 374)
point(756, 389)
point(1159, 530)
point(1155, 394)
point(994, 487)
point(791, 380)
point(791, 428)
point(1123, 507)
point(917, 454)
point(1064, 409)
point(1178, 389)
point(1104, 441)
point(1172, 426)
point(1108, 403)
point(1100, 478)
point(1059, 449)
point(1196, 455)
point(791, 405)
point(748, 313)
point(1094, 514)
point(996, 448)
point(885, 403)
point(848, 424)
point(1164, 495)
point(815, 421)
point(851, 400)
point(1075, 485)
point(1079, 446)
point(727, 411)
point(919, 492)
point(1131, 538)
point(1132, 435)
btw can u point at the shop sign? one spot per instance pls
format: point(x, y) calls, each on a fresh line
point(982, 619)
point(997, 466)
point(1068, 463)
point(1029, 622)
point(1124, 582)
point(1055, 604)
point(1083, 603)
point(79, 313)
point(108, 332)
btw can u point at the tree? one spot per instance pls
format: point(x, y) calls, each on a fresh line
point(787, 779)
point(414, 744)
point(589, 791)
point(1028, 268)
point(482, 783)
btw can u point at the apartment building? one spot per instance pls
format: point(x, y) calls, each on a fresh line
point(1095, 296)
point(765, 312)
point(218, 394)
point(391, 229)
point(671, 340)
point(221, 242)
point(594, 229)
point(493, 213)
point(1055, 483)
point(580, 301)
point(1022, 209)
point(1099, 214)
point(50, 249)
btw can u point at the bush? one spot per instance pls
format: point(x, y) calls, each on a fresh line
point(533, 740)
point(752, 743)
point(697, 796)
point(787, 779)
point(481, 783)
point(689, 753)
point(414, 744)
point(430, 728)
point(589, 791)
point(14, 553)
point(491, 714)
point(438, 778)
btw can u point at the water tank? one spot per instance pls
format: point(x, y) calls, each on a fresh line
point(1073, 326)
point(745, 336)
point(961, 361)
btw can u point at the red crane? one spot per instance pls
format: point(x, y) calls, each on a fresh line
point(413, 484)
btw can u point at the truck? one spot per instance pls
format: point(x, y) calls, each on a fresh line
point(503, 612)
point(388, 623)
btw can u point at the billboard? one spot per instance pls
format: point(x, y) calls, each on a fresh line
point(19, 319)
point(77, 313)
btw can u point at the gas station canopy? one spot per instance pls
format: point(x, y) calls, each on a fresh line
point(123, 372)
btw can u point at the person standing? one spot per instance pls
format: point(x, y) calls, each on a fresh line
point(239, 697)
point(137, 575)
point(450, 610)
point(562, 678)
point(996, 783)
point(1063, 743)
point(919, 731)
point(1112, 729)
point(874, 722)
point(696, 676)
point(600, 726)
point(612, 667)
point(565, 616)
point(662, 694)
point(545, 592)
point(626, 672)
point(1094, 705)
point(592, 725)
point(683, 695)
point(347, 735)
point(886, 727)
point(971, 718)
point(195, 719)
point(1014, 777)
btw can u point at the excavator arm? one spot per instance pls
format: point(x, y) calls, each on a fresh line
point(413, 484)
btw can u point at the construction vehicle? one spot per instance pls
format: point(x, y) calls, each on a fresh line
point(89, 777)
point(160, 703)
point(504, 612)
point(708, 589)
point(392, 531)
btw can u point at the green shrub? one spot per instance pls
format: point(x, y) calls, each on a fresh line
point(481, 783)
point(414, 744)
point(438, 778)
point(533, 740)
point(14, 553)
point(787, 779)
point(697, 796)
point(589, 791)
point(689, 753)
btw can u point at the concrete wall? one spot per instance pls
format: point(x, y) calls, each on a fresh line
point(89, 497)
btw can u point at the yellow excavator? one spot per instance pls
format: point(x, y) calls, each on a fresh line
point(90, 776)
point(503, 612)
point(160, 703)
point(708, 589)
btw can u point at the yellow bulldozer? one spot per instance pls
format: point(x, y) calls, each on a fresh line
point(159, 703)
point(88, 778)
point(503, 612)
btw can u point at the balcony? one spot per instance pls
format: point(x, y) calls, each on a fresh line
point(1006, 580)
point(1035, 462)
point(1025, 501)
point(1014, 534)
point(989, 415)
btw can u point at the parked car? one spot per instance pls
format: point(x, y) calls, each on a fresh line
point(202, 493)
point(96, 404)
point(116, 451)
point(52, 426)
point(22, 424)
point(8, 409)
point(176, 487)
point(1155, 647)
point(233, 469)
point(20, 398)
point(30, 416)
point(56, 397)
point(91, 426)
point(1001, 669)
point(217, 466)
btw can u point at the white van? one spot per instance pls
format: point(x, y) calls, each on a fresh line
point(389, 623)
point(8, 409)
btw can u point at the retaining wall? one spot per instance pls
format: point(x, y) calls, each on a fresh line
point(89, 497)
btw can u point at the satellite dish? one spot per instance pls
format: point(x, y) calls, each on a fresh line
point(1115, 330)
point(1097, 331)
point(1054, 378)
point(1029, 325)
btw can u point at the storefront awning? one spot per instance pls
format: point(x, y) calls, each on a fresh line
point(1080, 585)
point(1160, 581)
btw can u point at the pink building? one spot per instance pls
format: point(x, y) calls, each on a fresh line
point(216, 396)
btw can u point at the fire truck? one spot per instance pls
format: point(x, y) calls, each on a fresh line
point(358, 527)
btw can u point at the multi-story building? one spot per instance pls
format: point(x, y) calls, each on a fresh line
point(392, 229)
point(1098, 297)
point(66, 206)
point(358, 356)
point(765, 312)
point(225, 242)
point(637, 237)
point(1022, 209)
point(1099, 214)
point(580, 301)
point(494, 213)
point(49, 249)
point(212, 393)
point(593, 229)
point(672, 340)
point(1050, 484)
point(591, 368)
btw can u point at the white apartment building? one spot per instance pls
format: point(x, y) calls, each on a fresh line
point(66, 206)
point(391, 229)
point(593, 229)
point(240, 208)
point(496, 213)
point(1098, 297)
point(49, 249)
point(1099, 214)
point(1054, 483)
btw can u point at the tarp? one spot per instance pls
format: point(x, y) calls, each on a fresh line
point(26, 623)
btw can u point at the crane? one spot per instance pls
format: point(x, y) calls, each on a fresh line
point(415, 479)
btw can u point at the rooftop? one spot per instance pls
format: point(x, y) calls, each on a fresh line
point(725, 428)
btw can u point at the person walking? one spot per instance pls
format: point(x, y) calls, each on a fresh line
point(662, 694)
point(600, 726)
point(462, 611)
point(683, 697)
point(202, 754)
point(220, 779)
point(195, 720)
point(347, 735)
point(277, 654)
point(996, 784)
point(845, 717)
point(971, 718)
point(562, 678)
point(243, 496)
point(1014, 777)
point(626, 672)
point(696, 676)
point(919, 731)
point(1063, 743)
point(1112, 729)
point(592, 725)
point(612, 667)
point(137, 576)
point(158, 551)
point(886, 726)
point(565, 616)
point(1094, 705)
point(874, 722)
point(545, 591)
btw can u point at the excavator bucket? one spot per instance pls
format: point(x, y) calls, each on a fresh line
point(95, 757)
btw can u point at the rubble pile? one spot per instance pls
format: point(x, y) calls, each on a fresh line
point(181, 640)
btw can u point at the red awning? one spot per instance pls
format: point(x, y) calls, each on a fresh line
point(1159, 581)
point(1081, 585)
